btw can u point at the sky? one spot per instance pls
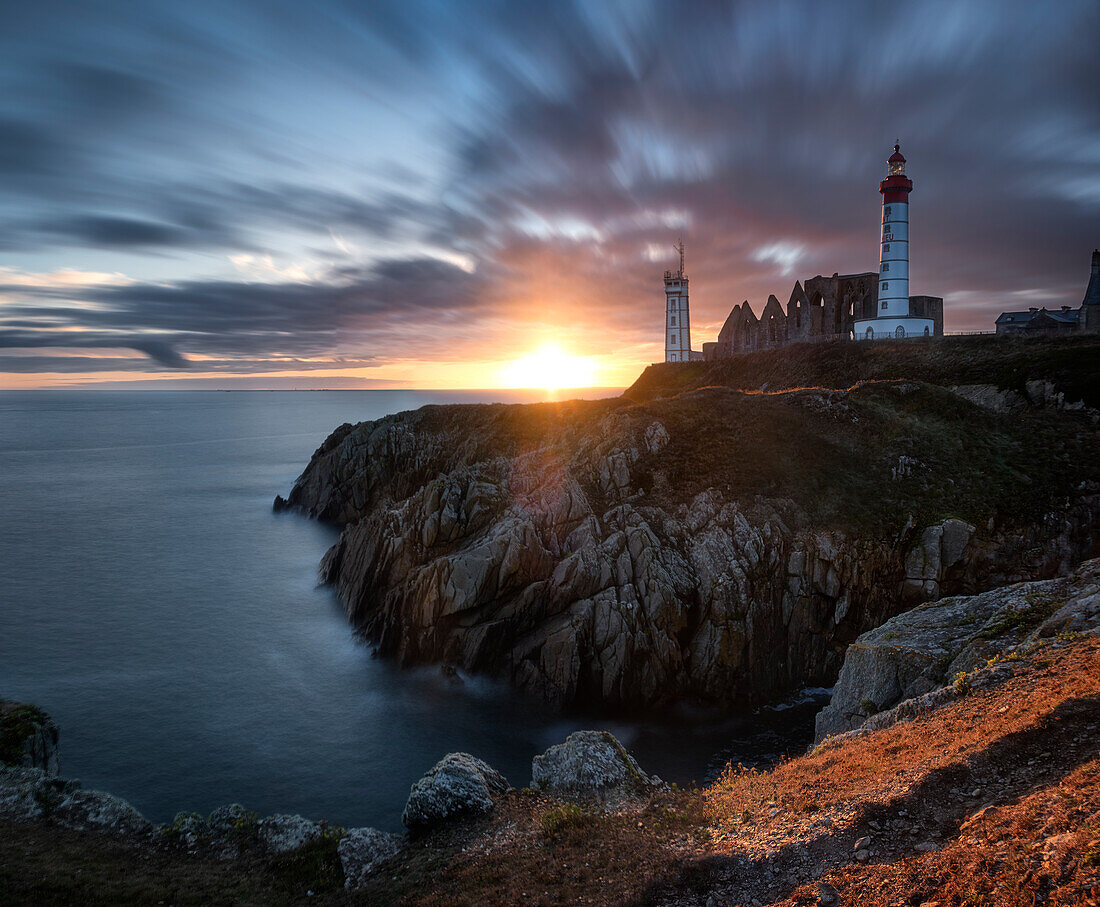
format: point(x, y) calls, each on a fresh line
point(418, 193)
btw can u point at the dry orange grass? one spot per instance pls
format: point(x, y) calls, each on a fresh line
point(864, 770)
point(1044, 849)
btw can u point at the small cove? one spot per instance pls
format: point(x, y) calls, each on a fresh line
point(171, 623)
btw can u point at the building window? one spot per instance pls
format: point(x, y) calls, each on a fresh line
point(886, 266)
point(672, 339)
point(886, 247)
point(673, 320)
point(870, 335)
point(883, 305)
point(886, 285)
point(887, 212)
point(673, 357)
point(926, 330)
point(900, 332)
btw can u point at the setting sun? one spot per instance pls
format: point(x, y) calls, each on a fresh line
point(550, 368)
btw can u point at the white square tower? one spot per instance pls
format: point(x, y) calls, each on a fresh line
point(677, 319)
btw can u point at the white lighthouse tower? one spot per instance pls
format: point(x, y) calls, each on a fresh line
point(677, 319)
point(893, 320)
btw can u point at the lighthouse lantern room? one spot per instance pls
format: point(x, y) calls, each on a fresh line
point(893, 320)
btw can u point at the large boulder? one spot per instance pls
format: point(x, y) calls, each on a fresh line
point(96, 810)
point(459, 784)
point(281, 833)
point(917, 652)
point(363, 851)
point(588, 762)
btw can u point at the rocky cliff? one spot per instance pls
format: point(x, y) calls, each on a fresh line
point(715, 544)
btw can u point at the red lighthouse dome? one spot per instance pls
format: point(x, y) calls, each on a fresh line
point(897, 186)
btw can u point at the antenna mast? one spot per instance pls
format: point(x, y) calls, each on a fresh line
point(679, 247)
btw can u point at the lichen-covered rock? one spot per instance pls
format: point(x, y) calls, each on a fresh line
point(459, 784)
point(915, 653)
point(281, 833)
point(95, 810)
point(28, 737)
point(588, 762)
point(30, 793)
point(190, 829)
point(231, 819)
point(363, 851)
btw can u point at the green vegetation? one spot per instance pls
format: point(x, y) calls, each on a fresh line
point(565, 815)
point(869, 706)
point(314, 866)
point(962, 683)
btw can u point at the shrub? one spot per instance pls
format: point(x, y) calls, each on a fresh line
point(563, 817)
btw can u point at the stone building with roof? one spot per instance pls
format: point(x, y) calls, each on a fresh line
point(1059, 321)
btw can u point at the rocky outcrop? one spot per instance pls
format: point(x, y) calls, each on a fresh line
point(363, 851)
point(588, 762)
point(31, 793)
point(604, 553)
point(458, 785)
point(282, 833)
point(28, 738)
point(94, 810)
point(910, 658)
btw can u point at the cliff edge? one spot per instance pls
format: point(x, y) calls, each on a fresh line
point(711, 542)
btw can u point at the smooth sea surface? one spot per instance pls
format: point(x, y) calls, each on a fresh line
point(172, 625)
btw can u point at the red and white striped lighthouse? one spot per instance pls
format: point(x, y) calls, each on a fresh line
point(892, 318)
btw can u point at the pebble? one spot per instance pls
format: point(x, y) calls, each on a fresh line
point(826, 894)
point(927, 846)
point(862, 856)
point(863, 843)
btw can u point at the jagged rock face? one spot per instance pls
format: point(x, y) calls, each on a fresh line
point(915, 653)
point(458, 785)
point(567, 560)
point(588, 762)
point(363, 851)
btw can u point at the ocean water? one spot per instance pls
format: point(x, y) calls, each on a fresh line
point(171, 623)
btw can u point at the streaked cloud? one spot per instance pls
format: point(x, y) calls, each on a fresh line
point(417, 184)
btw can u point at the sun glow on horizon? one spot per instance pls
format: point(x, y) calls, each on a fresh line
point(550, 368)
